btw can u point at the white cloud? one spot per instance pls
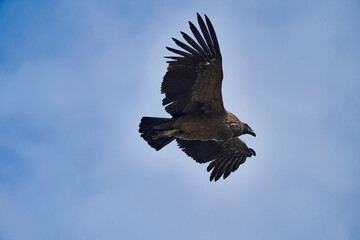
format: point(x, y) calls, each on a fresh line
point(71, 119)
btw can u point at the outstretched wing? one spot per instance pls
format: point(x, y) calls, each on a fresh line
point(225, 157)
point(192, 83)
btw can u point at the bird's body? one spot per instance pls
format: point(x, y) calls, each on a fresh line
point(202, 127)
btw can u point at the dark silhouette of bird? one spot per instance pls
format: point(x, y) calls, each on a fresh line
point(202, 127)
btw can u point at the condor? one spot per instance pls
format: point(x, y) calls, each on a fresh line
point(202, 127)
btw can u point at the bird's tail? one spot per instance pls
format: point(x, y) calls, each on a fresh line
point(156, 131)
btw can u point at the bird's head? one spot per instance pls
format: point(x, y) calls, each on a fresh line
point(248, 130)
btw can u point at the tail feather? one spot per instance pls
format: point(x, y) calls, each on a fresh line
point(151, 127)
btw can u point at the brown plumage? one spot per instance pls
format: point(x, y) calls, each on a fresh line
point(202, 127)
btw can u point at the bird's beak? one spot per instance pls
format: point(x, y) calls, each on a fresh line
point(249, 130)
point(252, 151)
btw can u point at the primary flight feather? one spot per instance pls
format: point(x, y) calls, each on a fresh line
point(202, 127)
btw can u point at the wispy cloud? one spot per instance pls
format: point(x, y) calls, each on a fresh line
point(76, 78)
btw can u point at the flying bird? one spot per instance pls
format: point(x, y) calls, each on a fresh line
point(200, 124)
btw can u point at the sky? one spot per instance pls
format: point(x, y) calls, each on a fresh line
point(77, 76)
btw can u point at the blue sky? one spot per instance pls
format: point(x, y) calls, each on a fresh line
point(77, 76)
